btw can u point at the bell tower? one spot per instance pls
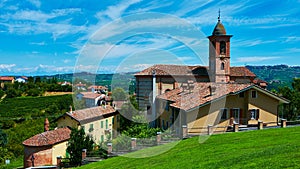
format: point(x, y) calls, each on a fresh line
point(219, 54)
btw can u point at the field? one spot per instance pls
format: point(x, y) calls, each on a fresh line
point(271, 148)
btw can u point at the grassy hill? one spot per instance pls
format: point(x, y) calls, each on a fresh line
point(272, 148)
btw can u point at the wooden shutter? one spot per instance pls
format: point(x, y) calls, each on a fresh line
point(257, 115)
point(249, 114)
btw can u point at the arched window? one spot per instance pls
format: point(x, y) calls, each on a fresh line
point(222, 66)
point(223, 47)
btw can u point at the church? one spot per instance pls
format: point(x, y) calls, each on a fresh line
point(198, 96)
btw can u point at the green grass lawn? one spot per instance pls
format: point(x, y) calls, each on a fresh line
point(272, 148)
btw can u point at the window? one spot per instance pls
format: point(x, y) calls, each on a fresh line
point(254, 114)
point(222, 66)
point(102, 124)
point(106, 124)
point(91, 128)
point(222, 47)
point(242, 95)
point(224, 114)
point(236, 114)
point(112, 120)
point(253, 94)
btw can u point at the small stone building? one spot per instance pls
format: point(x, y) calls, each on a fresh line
point(44, 148)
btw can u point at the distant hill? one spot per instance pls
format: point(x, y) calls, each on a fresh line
point(277, 75)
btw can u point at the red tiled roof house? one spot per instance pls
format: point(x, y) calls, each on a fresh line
point(44, 148)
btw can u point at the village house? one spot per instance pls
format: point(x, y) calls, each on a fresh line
point(7, 79)
point(94, 99)
point(217, 104)
point(43, 149)
point(98, 89)
point(21, 79)
point(198, 96)
point(80, 86)
point(98, 122)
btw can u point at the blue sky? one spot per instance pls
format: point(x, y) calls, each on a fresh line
point(53, 36)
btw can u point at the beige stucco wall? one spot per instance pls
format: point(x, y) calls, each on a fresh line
point(98, 131)
point(67, 121)
point(58, 150)
point(267, 107)
point(199, 119)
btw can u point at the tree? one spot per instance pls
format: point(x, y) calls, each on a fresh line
point(119, 94)
point(78, 141)
point(292, 110)
point(3, 138)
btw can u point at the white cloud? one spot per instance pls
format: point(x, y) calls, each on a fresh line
point(38, 43)
point(291, 39)
point(7, 67)
point(24, 22)
point(36, 3)
point(114, 12)
point(252, 42)
point(256, 58)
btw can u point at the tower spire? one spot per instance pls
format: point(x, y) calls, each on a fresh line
point(219, 15)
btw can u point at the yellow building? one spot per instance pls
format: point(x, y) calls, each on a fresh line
point(217, 104)
point(44, 148)
point(99, 122)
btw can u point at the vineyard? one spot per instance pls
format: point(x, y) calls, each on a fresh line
point(24, 117)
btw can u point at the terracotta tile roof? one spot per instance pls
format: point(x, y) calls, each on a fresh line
point(187, 100)
point(179, 70)
point(90, 95)
point(174, 70)
point(97, 87)
point(49, 137)
point(91, 114)
point(241, 71)
point(80, 85)
point(6, 78)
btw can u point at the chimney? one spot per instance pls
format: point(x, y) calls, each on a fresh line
point(71, 111)
point(212, 90)
point(46, 125)
point(191, 85)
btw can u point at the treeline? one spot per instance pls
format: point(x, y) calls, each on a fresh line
point(292, 110)
point(34, 87)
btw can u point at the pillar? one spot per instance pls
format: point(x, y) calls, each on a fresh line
point(184, 132)
point(83, 153)
point(209, 129)
point(260, 125)
point(109, 148)
point(283, 123)
point(235, 127)
point(158, 137)
point(133, 143)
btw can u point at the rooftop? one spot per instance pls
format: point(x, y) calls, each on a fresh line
point(182, 70)
point(49, 137)
point(84, 116)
